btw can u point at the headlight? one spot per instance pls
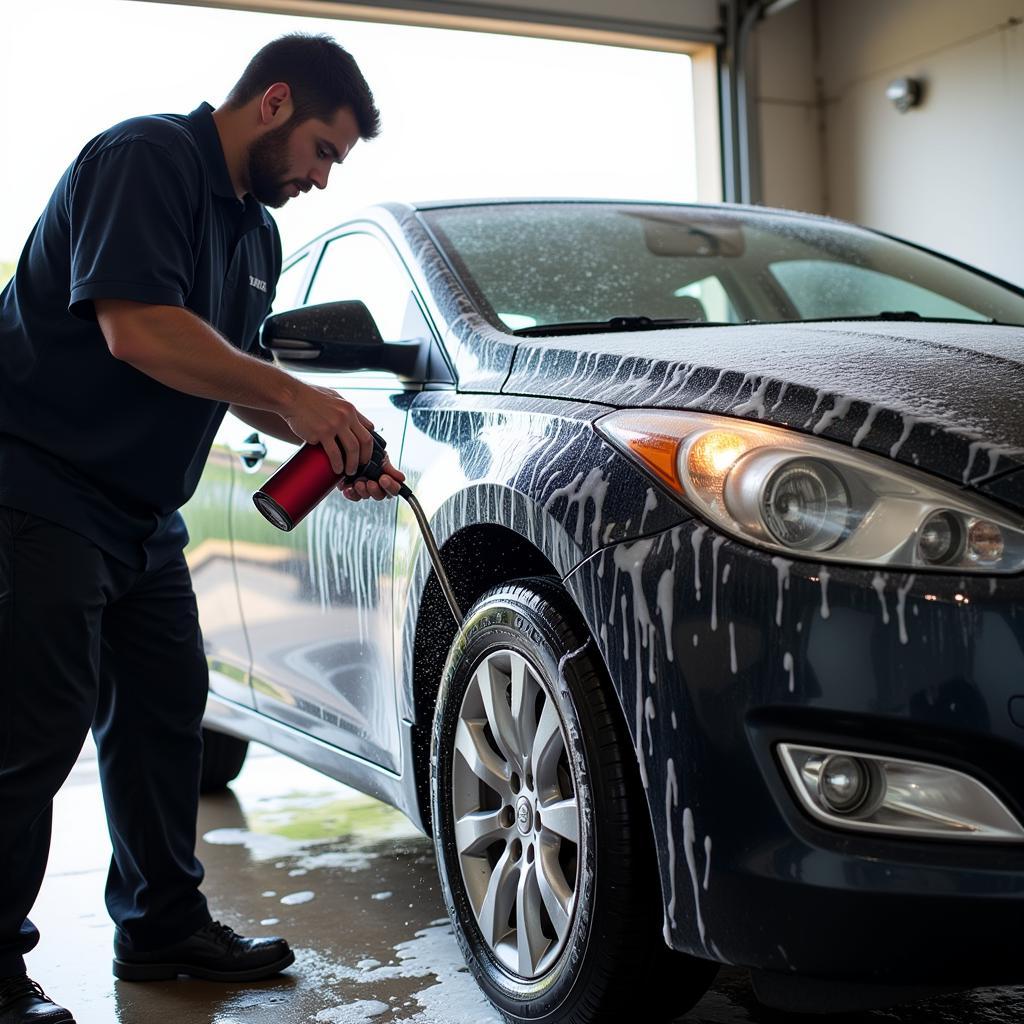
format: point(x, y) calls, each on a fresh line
point(813, 498)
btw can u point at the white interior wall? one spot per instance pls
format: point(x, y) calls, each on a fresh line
point(790, 136)
point(947, 173)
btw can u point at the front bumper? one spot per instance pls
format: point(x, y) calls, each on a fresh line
point(718, 652)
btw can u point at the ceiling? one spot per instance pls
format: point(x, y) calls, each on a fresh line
point(664, 24)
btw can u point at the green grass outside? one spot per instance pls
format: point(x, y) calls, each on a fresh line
point(362, 816)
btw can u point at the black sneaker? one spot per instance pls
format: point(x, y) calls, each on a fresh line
point(215, 952)
point(22, 1001)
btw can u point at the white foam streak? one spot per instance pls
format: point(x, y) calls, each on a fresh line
point(908, 426)
point(878, 582)
point(689, 838)
point(696, 539)
point(671, 800)
point(666, 587)
point(782, 567)
point(715, 545)
point(865, 428)
point(901, 607)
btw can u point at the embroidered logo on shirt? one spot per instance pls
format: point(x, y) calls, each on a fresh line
point(257, 283)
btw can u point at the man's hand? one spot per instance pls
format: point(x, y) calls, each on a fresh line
point(321, 416)
point(387, 487)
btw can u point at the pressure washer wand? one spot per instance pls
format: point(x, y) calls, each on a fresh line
point(302, 482)
point(434, 552)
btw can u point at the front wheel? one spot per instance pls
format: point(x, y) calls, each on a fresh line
point(540, 825)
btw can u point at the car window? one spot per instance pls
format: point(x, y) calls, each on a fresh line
point(714, 299)
point(531, 265)
point(358, 266)
point(289, 284)
point(823, 288)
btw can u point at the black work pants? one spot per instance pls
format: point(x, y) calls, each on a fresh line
point(86, 641)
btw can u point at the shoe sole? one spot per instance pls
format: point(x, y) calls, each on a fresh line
point(127, 971)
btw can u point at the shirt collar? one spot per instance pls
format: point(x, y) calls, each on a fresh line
point(212, 151)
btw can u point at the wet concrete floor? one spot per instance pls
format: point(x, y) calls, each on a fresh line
point(354, 889)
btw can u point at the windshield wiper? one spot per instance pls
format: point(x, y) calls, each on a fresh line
point(906, 314)
point(616, 323)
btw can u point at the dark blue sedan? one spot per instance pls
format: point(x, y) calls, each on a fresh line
point(732, 499)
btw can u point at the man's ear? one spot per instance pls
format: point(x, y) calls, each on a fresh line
point(276, 104)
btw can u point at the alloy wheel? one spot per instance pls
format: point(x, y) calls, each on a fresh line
point(517, 821)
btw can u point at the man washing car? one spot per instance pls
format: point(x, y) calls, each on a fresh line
point(124, 337)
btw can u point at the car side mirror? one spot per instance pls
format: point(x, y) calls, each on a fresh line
point(338, 336)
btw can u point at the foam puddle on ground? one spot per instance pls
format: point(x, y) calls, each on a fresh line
point(454, 995)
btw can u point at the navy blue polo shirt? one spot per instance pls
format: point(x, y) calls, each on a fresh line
point(146, 212)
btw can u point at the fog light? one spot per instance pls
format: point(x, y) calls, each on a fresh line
point(843, 783)
point(873, 793)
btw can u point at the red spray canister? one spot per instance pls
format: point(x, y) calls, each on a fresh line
point(305, 480)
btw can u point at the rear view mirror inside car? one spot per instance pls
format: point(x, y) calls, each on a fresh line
point(689, 237)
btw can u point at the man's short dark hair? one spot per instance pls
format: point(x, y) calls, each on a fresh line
point(323, 77)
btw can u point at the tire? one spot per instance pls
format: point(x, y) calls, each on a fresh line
point(223, 757)
point(595, 951)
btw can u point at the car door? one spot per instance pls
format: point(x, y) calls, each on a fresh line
point(209, 553)
point(317, 602)
point(211, 515)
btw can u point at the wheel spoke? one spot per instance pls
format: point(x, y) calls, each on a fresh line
point(563, 818)
point(531, 940)
point(476, 831)
point(499, 899)
point(493, 685)
point(554, 891)
point(481, 760)
point(547, 744)
point(524, 699)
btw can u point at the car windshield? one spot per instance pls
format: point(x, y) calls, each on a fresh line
point(599, 266)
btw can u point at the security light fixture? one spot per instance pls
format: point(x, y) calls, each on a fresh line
point(904, 93)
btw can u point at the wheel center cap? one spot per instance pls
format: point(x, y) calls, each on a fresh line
point(524, 816)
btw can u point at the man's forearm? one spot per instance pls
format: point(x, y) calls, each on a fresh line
point(179, 349)
point(267, 422)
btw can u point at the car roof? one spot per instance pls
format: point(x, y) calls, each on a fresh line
point(446, 204)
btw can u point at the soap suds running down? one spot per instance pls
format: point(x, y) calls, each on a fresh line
point(689, 838)
point(901, 608)
point(878, 582)
point(696, 539)
point(715, 546)
point(671, 801)
point(782, 567)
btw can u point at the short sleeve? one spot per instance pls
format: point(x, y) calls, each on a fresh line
point(132, 221)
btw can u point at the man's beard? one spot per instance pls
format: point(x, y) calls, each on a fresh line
point(268, 165)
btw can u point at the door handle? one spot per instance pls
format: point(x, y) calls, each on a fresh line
point(252, 451)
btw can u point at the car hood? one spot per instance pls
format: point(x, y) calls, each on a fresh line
point(948, 398)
